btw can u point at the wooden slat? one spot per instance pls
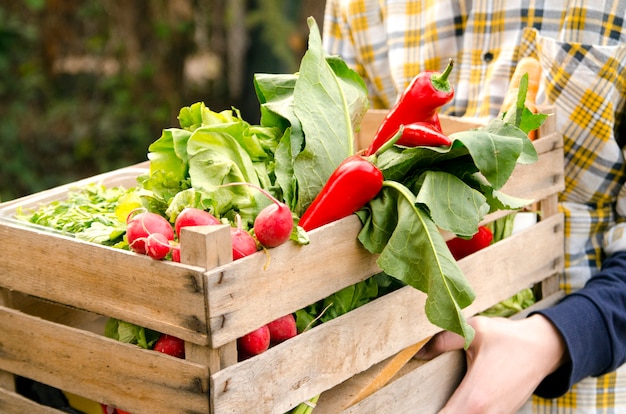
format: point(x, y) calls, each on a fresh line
point(99, 368)
point(380, 329)
point(208, 247)
point(424, 389)
point(296, 276)
point(257, 289)
point(7, 379)
point(166, 297)
point(12, 403)
point(424, 384)
point(366, 383)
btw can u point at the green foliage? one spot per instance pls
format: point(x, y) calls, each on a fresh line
point(58, 125)
point(57, 128)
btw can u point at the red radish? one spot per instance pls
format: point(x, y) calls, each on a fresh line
point(170, 345)
point(140, 226)
point(254, 343)
point(191, 216)
point(273, 224)
point(243, 243)
point(176, 254)
point(282, 329)
point(157, 246)
point(110, 410)
point(460, 247)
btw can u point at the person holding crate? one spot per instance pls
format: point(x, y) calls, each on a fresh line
point(569, 357)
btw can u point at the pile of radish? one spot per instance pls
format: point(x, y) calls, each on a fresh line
point(153, 235)
point(261, 339)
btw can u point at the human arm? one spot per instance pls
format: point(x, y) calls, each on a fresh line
point(545, 353)
point(505, 362)
point(592, 322)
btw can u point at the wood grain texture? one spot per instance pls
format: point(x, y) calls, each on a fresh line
point(166, 297)
point(12, 403)
point(381, 328)
point(99, 368)
point(210, 301)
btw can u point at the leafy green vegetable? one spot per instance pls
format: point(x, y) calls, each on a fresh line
point(520, 115)
point(130, 333)
point(88, 213)
point(345, 300)
point(412, 250)
point(189, 164)
point(429, 189)
point(512, 305)
point(319, 109)
point(306, 131)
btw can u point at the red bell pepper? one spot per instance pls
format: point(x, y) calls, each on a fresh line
point(420, 102)
point(351, 185)
point(423, 134)
point(460, 247)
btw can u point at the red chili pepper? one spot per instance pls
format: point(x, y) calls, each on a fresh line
point(423, 134)
point(460, 247)
point(351, 185)
point(420, 102)
point(355, 182)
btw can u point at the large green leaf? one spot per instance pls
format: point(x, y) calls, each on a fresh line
point(324, 109)
point(413, 251)
point(452, 204)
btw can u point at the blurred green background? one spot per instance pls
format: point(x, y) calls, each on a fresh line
point(86, 86)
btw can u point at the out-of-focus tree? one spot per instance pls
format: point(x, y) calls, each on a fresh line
point(86, 86)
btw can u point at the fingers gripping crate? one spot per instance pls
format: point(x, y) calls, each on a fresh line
point(58, 291)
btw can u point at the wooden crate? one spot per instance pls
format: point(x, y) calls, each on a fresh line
point(58, 291)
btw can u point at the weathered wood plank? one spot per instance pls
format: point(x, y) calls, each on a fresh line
point(257, 289)
point(135, 288)
point(99, 368)
point(12, 403)
point(423, 384)
point(425, 388)
point(380, 329)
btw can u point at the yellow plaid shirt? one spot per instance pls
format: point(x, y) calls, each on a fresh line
point(581, 45)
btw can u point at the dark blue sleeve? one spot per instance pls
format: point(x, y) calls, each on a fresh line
point(593, 323)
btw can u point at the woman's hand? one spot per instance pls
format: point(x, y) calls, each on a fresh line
point(506, 361)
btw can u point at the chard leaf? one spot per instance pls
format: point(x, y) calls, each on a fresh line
point(323, 108)
point(452, 204)
point(496, 199)
point(353, 87)
point(531, 121)
point(397, 163)
point(494, 153)
point(500, 201)
point(413, 251)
